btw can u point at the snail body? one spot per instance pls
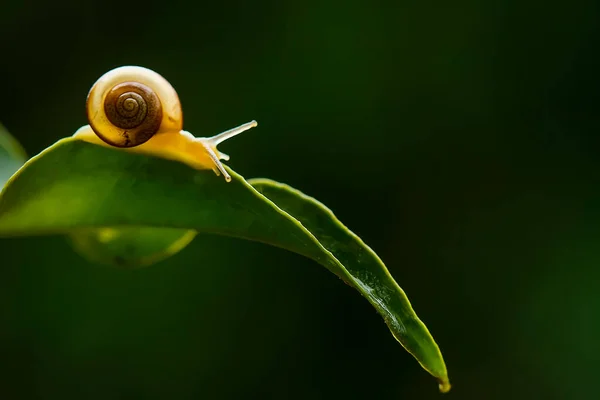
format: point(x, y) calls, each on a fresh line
point(136, 109)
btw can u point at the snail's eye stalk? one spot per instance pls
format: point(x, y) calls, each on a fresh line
point(219, 167)
point(211, 143)
point(221, 137)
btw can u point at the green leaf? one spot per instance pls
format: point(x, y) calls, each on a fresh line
point(371, 277)
point(125, 247)
point(75, 186)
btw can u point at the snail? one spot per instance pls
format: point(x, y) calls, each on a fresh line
point(136, 109)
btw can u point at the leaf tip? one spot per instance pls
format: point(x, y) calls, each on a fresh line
point(444, 385)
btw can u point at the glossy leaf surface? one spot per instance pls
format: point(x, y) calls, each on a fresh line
point(370, 274)
point(75, 186)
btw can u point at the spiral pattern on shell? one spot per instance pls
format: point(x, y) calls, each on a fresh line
point(136, 109)
point(129, 105)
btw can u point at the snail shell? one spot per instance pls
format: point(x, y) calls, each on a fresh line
point(128, 105)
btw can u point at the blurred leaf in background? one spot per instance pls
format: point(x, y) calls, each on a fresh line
point(12, 156)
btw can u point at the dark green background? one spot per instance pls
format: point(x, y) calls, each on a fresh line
point(459, 139)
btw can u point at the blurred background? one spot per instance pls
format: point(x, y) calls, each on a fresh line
point(459, 140)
